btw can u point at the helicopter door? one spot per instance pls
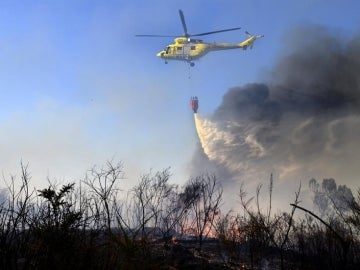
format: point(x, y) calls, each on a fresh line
point(187, 50)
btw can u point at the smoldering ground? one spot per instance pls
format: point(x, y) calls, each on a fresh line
point(303, 122)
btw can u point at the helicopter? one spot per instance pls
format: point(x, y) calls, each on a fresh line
point(186, 48)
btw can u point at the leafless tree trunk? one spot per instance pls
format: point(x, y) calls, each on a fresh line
point(103, 184)
point(205, 193)
point(15, 213)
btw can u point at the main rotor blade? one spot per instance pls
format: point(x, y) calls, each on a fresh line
point(214, 32)
point(153, 36)
point(183, 23)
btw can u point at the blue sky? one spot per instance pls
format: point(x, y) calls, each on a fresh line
point(78, 89)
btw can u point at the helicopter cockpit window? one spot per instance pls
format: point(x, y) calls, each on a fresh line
point(193, 47)
point(192, 40)
point(167, 50)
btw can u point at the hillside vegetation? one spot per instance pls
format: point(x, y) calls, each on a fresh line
point(158, 225)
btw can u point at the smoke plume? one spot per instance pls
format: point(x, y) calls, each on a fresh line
point(303, 123)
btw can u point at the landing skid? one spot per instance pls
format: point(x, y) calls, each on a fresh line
point(191, 64)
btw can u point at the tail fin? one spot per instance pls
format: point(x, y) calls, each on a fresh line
point(251, 39)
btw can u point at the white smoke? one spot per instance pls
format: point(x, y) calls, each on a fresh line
point(218, 144)
point(211, 137)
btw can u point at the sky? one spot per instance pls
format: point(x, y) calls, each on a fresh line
point(77, 88)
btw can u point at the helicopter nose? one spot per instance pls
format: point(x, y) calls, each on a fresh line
point(160, 54)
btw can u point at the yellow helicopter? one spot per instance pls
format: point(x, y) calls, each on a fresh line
point(186, 48)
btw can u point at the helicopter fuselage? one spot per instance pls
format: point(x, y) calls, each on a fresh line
point(188, 49)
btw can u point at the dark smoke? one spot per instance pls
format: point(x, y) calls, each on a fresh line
point(304, 122)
